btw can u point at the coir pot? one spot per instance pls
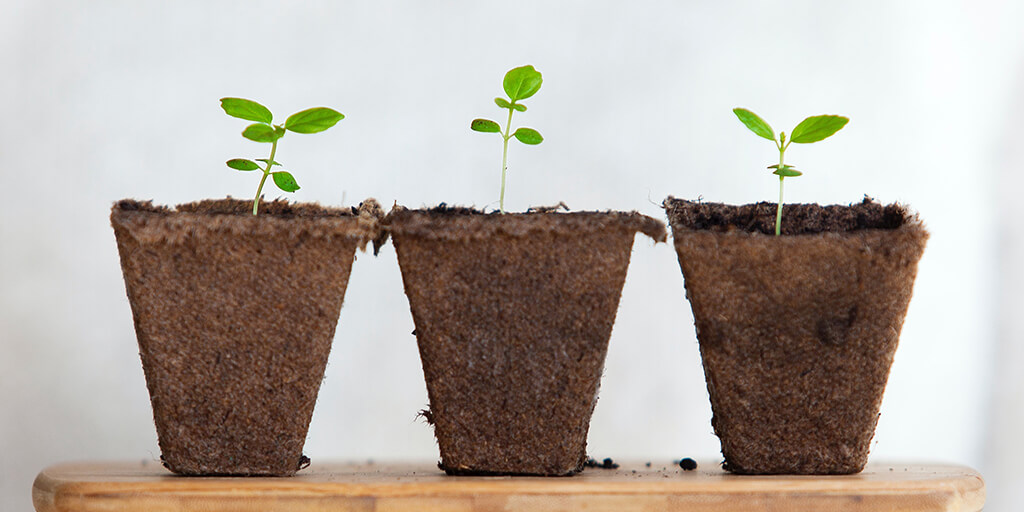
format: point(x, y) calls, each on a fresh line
point(234, 316)
point(796, 332)
point(513, 313)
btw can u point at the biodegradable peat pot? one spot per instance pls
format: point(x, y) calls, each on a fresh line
point(234, 316)
point(797, 332)
point(513, 313)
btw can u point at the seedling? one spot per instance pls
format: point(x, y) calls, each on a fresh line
point(520, 83)
point(809, 130)
point(311, 120)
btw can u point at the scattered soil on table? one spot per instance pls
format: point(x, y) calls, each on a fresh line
point(607, 463)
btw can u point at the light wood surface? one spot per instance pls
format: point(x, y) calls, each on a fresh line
point(421, 487)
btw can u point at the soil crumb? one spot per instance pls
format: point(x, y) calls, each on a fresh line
point(607, 463)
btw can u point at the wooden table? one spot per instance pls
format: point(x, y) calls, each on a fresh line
point(421, 487)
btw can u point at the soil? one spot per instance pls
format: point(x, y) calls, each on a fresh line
point(797, 219)
point(513, 313)
point(797, 333)
point(234, 316)
point(474, 223)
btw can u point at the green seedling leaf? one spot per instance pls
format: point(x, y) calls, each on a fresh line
point(484, 125)
point(786, 171)
point(246, 109)
point(502, 102)
point(265, 160)
point(521, 83)
point(817, 128)
point(313, 120)
point(285, 181)
point(755, 123)
point(528, 136)
point(242, 164)
point(261, 133)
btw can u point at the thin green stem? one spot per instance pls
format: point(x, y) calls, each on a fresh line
point(266, 172)
point(778, 213)
point(504, 160)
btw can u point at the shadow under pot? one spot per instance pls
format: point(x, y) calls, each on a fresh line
point(796, 332)
point(513, 313)
point(234, 316)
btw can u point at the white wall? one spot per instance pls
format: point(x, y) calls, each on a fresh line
point(103, 100)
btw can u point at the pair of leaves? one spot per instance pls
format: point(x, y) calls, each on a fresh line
point(283, 179)
point(524, 135)
point(312, 120)
point(812, 129)
point(503, 103)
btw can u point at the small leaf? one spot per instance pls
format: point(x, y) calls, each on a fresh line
point(261, 133)
point(264, 160)
point(755, 123)
point(786, 171)
point(521, 83)
point(528, 136)
point(246, 109)
point(503, 103)
point(313, 120)
point(285, 181)
point(817, 128)
point(242, 164)
point(484, 125)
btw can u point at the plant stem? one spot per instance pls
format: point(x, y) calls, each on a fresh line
point(778, 214)
point(266, 172)
point(504, 161)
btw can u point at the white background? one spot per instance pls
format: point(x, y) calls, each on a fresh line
point(103, 100)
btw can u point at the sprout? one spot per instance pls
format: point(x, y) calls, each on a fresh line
point(809, 130)
point(519, 84)
point(311, 120)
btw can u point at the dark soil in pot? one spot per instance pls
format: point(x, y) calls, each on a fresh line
point(234, 316)
point(513, 313)
point(796, 333)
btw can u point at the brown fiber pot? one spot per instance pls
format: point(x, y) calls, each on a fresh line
point(796, 333)
point(513, 313)
point(234, 316)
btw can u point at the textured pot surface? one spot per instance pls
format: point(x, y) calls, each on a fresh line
point(234, 316)
point(513, 314)
point(797, 333)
